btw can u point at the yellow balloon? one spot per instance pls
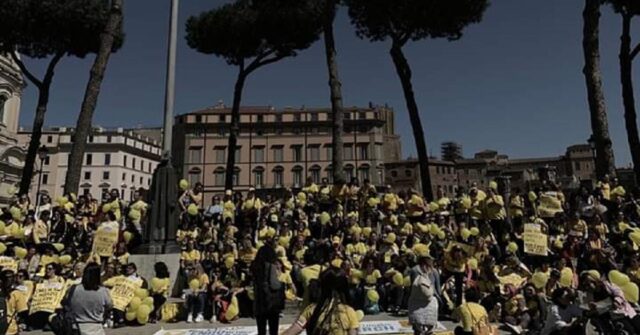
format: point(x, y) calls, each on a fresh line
point(148, 301)
point(134, 304)
point(3, 248)
point(106, 208)
point(630, 291)
point(618, 278)
point(194, 284)
point(233, 310)
point(62, 201)
point(135, 214)
point(373, 296)
point(635, 237)
point(474, 231)
point(539, 280)
point(141, 293)
point(324, 218)
point(434, 229)
point(472, 263)
point(442, 235)
point(360, 315)
point(64, 259)
point(229, 262)
point(127, 236)
point(2, 226)
point(532, 196)
point(398, 279)
point(58, 246)
point(142, 314)
point(493, 185)
point(512, 247)
point(465, 233)
point(21, 253)
point(156, 284)
point(192, 210)
point(130, 316)
point(184, 184)
point(566, 277)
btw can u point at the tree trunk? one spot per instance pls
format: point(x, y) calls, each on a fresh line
point(44, 88)
point(626, 71)
point(404, 72)
point(605, 163)
point(337, 126)
point(84, 122)
point(235, 130)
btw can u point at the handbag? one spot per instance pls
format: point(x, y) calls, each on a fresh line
point(482, 326)
point(64, 321)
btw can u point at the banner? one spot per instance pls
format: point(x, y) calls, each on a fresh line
point(366, 328)
point(8, 263)
point(123, 291)
point(549, 205)
point(47, 297)
point(535, 242)
point(104, 241)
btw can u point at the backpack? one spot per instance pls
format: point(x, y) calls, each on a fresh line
point(64, 321)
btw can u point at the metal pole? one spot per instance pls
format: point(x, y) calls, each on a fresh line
point(171, 77)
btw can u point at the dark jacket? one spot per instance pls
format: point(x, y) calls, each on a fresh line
point(269, 292)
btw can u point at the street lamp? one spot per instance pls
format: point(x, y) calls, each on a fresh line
point(43, 152)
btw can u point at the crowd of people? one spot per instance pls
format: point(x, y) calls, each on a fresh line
point(542, 261)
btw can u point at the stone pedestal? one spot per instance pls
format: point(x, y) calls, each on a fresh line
point(145, 263)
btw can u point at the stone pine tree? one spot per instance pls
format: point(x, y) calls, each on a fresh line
point(249, 35)
point(605, 163)
point(402, 21)
point(337, 146)
point(628, 9)
point(48, 29)
point(110, 40)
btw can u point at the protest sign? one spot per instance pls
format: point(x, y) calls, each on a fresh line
point(47, 297)
point(104, 241)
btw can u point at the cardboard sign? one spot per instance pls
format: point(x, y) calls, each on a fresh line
point(123, 291)
point(535, 242)
point(104, 241)
point(8, 263)
point(47, 297)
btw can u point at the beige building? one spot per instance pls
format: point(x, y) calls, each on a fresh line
point(280, 148)
point(121, 159)
point(405, 174)
point(11, 155)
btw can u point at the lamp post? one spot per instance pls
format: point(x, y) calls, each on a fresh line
point(43, 152)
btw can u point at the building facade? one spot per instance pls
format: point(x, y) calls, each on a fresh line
point(281, 148)
point(573, 169)
point(121, 159)
point(11, 155)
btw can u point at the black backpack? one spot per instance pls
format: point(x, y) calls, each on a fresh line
point(64, 322)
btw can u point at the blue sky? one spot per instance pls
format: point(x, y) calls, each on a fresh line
point(513, 83)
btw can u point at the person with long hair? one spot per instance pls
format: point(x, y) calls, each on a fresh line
point(198, 284)
point(159, 288)
point(89, 302)
point(269, 291)
point(330, 315)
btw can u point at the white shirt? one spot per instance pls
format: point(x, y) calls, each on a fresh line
point(558, 318)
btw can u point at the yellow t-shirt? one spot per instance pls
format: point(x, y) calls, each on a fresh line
point(344, 319)
point(469, 314)
point(190, 256)
point(16, 303)
point(163, 287)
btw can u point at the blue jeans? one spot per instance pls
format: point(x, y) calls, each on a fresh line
point(195, 303)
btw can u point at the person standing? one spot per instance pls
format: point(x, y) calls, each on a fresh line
point(89, 302)
point(422, 304)
point(269, 291)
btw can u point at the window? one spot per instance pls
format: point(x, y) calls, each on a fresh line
point(314, 117)
point(329, 152)
point(278, 176)
point(277, 153)
point(194, 178)
point(133, 165)
point(109, 139)
point(363, 151)
point(141, 180)
point(219, 154)
point(238, 154)
point(315, 174)
point(378, 153)
point(577, 165)
point(195, 155)
point(89, 159)
point(198, 118)
point(133, 178)
point(348, 172)
point(49, 139)
point(364, 173)
point(347, 115)
point(106, 175)
point(408, 173)
point(348, 152)
point(45, 178)
point(47, 160)
point(142, 165)
point(91, 139)
point(314, 152)
point(219, 177)
point(394, 174)
point(125, 160)
point(362, 115)
point(221, 118)
point(258, 154)
point(296, 152)
point(278, 117)
point(297, 117)
point(3, 103)
point(107, 159)
point(236, 177)
point(258, 177)
point(149, 167)
point(87, 175)
point(124, 177)
point(221, 131)
point(260, 118)
point(297, 176)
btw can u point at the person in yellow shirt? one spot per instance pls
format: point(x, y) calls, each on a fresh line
point(190, 254)
point(16, 302)
point(516, 209)
point(159, 289)
point(198, 285)
point(331, 314)
point(470, 313)
point(41, 228)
